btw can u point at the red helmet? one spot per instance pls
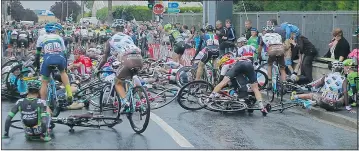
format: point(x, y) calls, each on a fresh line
point(79, 51)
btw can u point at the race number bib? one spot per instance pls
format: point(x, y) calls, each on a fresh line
point(52, 47)
point(36, 130)
point(330, 95)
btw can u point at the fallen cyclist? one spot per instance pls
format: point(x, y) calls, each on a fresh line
point(35, 114)
point(333, 88)
point(242, 66)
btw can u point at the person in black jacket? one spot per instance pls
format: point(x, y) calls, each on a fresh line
point(247, 32)
point(221, 33)
point(303, 46)
point(339, 47)
point(230, 37)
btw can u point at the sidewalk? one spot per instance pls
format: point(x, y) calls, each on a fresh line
point(342, 117)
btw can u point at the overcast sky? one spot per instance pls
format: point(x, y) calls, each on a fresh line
point(44, 5)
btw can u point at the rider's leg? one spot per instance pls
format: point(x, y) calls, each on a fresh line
point(281, 63)
point(45, 126)
point(66, 81)
point(222, 84)
point(200, 69)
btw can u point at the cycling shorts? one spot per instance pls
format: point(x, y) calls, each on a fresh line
point(276, 53)
point(58, 60)
point(243, 68)
point(129, 61)
point(327, 104)
point(179, 48)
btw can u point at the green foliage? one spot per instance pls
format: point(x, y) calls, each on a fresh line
point(295, 5)
point(141, 13)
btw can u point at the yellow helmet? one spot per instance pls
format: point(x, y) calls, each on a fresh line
point(224, 59)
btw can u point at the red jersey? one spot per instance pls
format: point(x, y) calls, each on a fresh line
point(86, 62)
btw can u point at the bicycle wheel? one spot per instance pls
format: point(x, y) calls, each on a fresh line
point(262, 79)
point(224, 105)
point(160, 97)
point(140, 107)
point(185, 75)
point(196, 92)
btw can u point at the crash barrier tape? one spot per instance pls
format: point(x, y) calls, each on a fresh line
point(158, 51)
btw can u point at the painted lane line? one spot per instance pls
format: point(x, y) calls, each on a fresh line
point(177, 137)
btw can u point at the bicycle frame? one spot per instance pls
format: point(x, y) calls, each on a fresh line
point(51, 89)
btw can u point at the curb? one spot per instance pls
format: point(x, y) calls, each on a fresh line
point(329, 116)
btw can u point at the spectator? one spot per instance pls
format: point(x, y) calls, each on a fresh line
point(304, 46)
point(193, 30)
point(339, 47)
point(254, 39)
point(221, 33)
point(247, 32)
point(179, 27)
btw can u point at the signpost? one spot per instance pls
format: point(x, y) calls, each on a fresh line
point(173, 7)
point(158, 9)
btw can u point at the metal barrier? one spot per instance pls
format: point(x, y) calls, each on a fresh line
point(315, 25)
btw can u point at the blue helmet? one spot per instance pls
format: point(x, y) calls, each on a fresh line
point(52, 27)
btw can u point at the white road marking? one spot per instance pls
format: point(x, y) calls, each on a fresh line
point(177, 137)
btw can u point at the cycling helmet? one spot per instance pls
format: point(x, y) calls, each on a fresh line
point(356, 33)
point(34, 85)
point(209, 28)
point(79, 51)
point(349, 62)
point(52, 27)
point(336, 66)
point(242, 39)
point(224, 59)
point(167, 27)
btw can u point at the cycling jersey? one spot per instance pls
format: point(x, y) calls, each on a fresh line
point(254, 41)
point(119, 41)
point(23, 35)
point(86, 64)
point(289, 28)
point(246, 51)
point(352, 82)
point(272, 39)
point(14, 34)
point(333, 86)
point(31, 110)
point(176, 36)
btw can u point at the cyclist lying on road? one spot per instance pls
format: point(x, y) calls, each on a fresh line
point(334, 92)
point(35, 114)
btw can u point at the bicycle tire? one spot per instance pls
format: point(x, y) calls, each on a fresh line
point(183, 90)
point(179, 78)
point(261, 87)
point(211, 106)
point(162, 93)
point(16, 127)
point(147, 111)
point(9, 62)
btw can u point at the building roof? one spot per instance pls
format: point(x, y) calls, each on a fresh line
point(43, 12)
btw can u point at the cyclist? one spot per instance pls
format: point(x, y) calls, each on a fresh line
point(54, 54)
point(177, 41)
point(289, 29)
point(350, 69)
point(129, 55)
point(334, 92)
point(275, 51)
point(84, 35)
point(68, 36)
point(210, 51)
point(242, 66)
point(35, 114)
point(82, 63)
point(23, 37)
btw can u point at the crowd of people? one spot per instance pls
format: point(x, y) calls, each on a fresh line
point(127, 42)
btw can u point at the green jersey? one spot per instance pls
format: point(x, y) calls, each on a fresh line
point(352, 82)
point(175, 36)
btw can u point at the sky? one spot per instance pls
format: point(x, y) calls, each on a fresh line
point(42, 5)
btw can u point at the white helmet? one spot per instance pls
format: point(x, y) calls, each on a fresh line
point(242, 39)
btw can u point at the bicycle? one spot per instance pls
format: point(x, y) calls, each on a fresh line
point(225, 103)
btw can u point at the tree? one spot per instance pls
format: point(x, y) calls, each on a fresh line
point(17, 10)
point(109, 19)
point(19, 13)
point(89, 4)
point(74, 8)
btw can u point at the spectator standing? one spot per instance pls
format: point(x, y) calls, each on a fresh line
point(339, 47)
point(306, 48)
point(221, 32)
point(254, 40)
point(247, 32)
point(230, 38)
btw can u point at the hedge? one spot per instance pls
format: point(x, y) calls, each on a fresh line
point(141, 13)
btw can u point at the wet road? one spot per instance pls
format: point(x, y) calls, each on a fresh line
point(172, 127)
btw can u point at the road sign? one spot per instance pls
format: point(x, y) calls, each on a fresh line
point(158, 9)
point(173, 10)
point(173, 5)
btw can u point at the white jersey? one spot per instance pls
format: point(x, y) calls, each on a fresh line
point(120, 41)
point(51, 43)
point(247, 50)
point(42, 32)
point(272, 39)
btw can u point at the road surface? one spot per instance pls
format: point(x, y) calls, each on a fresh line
point(172, 127)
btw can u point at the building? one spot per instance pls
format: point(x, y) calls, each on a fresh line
point(45, 16)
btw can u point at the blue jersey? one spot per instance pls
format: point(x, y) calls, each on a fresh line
point(289, 28)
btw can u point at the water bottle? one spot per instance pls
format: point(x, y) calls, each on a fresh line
point(232, 92)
